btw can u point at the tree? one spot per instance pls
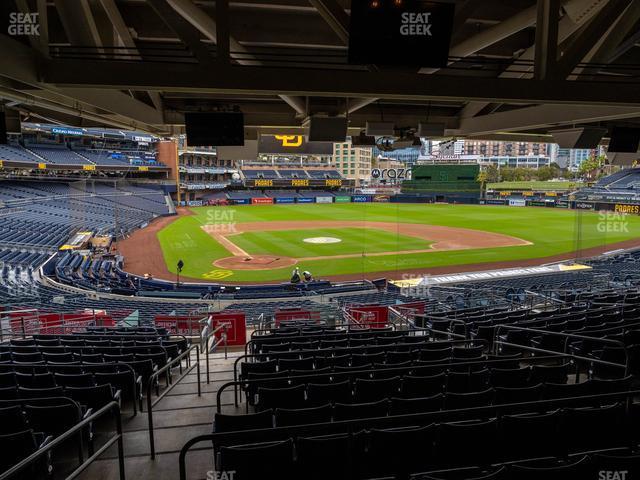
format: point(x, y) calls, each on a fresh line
point(492, 173)
point(545, 174)
point(590, 166)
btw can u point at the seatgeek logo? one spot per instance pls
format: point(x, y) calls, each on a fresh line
point(27, 24)
point(227, 475)
point(415, 24)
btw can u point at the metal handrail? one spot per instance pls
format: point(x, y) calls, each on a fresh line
point(399, 370)
point(456, 321)
point(111, 406)
point(569, 336)
point(279, 433)
point(205, 345)
point(150, 384)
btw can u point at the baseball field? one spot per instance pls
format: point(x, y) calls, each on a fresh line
point(263, 243)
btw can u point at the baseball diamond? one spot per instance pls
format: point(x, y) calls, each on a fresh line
point(262, 242)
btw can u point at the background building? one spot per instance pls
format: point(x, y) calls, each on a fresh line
point(354, 163)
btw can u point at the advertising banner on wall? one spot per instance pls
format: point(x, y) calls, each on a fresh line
point(240, 201)
point(493, 201)
point(359, 198)
point(324, 199)
point(261, 201)
point(343, 199)
point(584, 206)
point(517, 202)
point(306, 199)
point(381, 198)
point(285, 200)
point(622, 208)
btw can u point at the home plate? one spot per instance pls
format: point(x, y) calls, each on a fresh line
point(322, 240)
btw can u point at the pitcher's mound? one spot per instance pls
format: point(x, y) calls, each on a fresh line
point(254, 262)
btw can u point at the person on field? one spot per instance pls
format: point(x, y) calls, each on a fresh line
point(295, 275)
point(307, 276)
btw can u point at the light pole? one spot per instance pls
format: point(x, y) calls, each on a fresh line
point(179, 265)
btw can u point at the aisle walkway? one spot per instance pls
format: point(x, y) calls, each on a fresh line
point(178, 417)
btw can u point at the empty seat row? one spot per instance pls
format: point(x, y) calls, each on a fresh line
point(399, 452)
point(367, 391)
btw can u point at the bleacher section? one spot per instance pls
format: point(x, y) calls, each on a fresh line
point(623, 185)
point(55, 384)
point(625, 178)
point(267, 174)
point(61, 155)
point(18, 154)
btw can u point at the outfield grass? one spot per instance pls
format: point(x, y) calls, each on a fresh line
point(291, 243)
point(551, 231)
point(534, 185)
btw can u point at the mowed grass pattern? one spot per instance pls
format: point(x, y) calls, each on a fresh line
point(291, 243)
point(551, 232)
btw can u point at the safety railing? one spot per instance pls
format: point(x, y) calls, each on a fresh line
point(75, 430)
point(567, 337)
point(153, 380)
point(204, 345)
point(282, 433)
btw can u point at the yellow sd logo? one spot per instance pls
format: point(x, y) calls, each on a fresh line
point(290, 140)
point(217, 274)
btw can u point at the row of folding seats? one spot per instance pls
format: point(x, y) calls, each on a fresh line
point(403, 451)
point(438, 394)
point(621, 463)
point(369, 356)
point(51, 418)
point(359, 341)
point(123, 379)
point(159, 359)
point(420, 355)
point(432, 380)
point(94, 397)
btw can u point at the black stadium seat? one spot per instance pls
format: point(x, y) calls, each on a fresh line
point(321, 394)
point(17, 446)
point(269, 460)
point(342, 411)
point(291, 397)
point(252, 421)
point(285, 417)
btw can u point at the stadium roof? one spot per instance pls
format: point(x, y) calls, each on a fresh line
point(140, 64)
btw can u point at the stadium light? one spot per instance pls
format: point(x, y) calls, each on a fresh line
point(180, 265)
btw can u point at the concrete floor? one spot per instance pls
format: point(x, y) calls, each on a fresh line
point(178, 417)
